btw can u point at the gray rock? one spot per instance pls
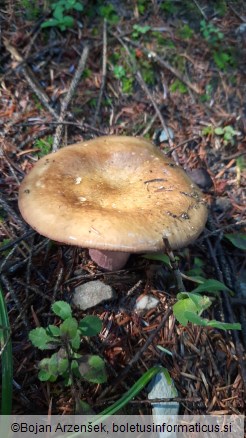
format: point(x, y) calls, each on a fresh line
point(163, 135)
point(146, 302)
point(91, 294)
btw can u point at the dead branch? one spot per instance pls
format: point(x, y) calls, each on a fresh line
point(104, 71)
point(165, 64)
point(66, 101)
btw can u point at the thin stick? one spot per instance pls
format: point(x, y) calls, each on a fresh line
point(30, 78)
point(12, 213)
point(104, 71)
point(67, 99)
point(149, 95)
point(200, 9)
point(166, 65)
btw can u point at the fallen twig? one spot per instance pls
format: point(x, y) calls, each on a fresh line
point(104, 71)
point(66, 101)
point(153, 55)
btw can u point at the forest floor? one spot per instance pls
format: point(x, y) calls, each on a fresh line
point(144, 67)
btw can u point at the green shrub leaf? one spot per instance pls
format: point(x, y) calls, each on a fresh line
point(62, 309)
point(92, 369)
point(212, 286)
point(90, 325)
point(39, 338)
point(237, 239)
point(69, 328)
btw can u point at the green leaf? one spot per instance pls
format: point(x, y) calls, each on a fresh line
point(44, 371)
point(119, 71)
point(238, 240)
point(196, 319)
point(92, 369)
point(219, 131)
point(78, 7)
point(44, 376)
point(62, 309)
point(69, 328)
point(212, 286)
point(133, 391)
point(140, 30)
point(177, 85)
point(39, 338)
point(67, 21)
point(58, 13)
point(182, 306)
point(52, 22)
point(53, 330)
point(202, 302)
point(90, 325)
point(160, 257)
point(224, 325)
point(75, 342)
point(189, 303)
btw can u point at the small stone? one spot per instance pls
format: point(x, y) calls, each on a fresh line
point(161, 136)
point(146, 302)
point(91, 294)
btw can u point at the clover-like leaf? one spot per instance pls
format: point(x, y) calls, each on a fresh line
point(69, 328)
point(92, 369)
point(90, 325)
point(39, 338)
point(62, 309)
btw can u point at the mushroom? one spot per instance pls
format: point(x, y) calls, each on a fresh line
point(115, 195)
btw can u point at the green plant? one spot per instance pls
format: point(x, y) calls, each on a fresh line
point(185, 32)
point(59, 10)
point(169, 7)
point(44, 145)
point(189, 308)
point(208, 93)
point(238, 240)
point(6, 358)
point(211, 33)
point(142, 6)
point(220, 7)
point(67, 362)
point(226, 132)
point(139, 30)
point(222, 56)
point(177, 85)
point(125, 78)
point(31, 7)
point(190, 305)
point(223, 59)
point(109, 13)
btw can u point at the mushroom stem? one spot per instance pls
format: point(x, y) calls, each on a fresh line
point(109, 260)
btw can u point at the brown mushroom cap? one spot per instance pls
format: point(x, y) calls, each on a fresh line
point(113, 193)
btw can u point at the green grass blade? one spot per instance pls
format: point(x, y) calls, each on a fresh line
point(129, 395)
point(7, 360)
